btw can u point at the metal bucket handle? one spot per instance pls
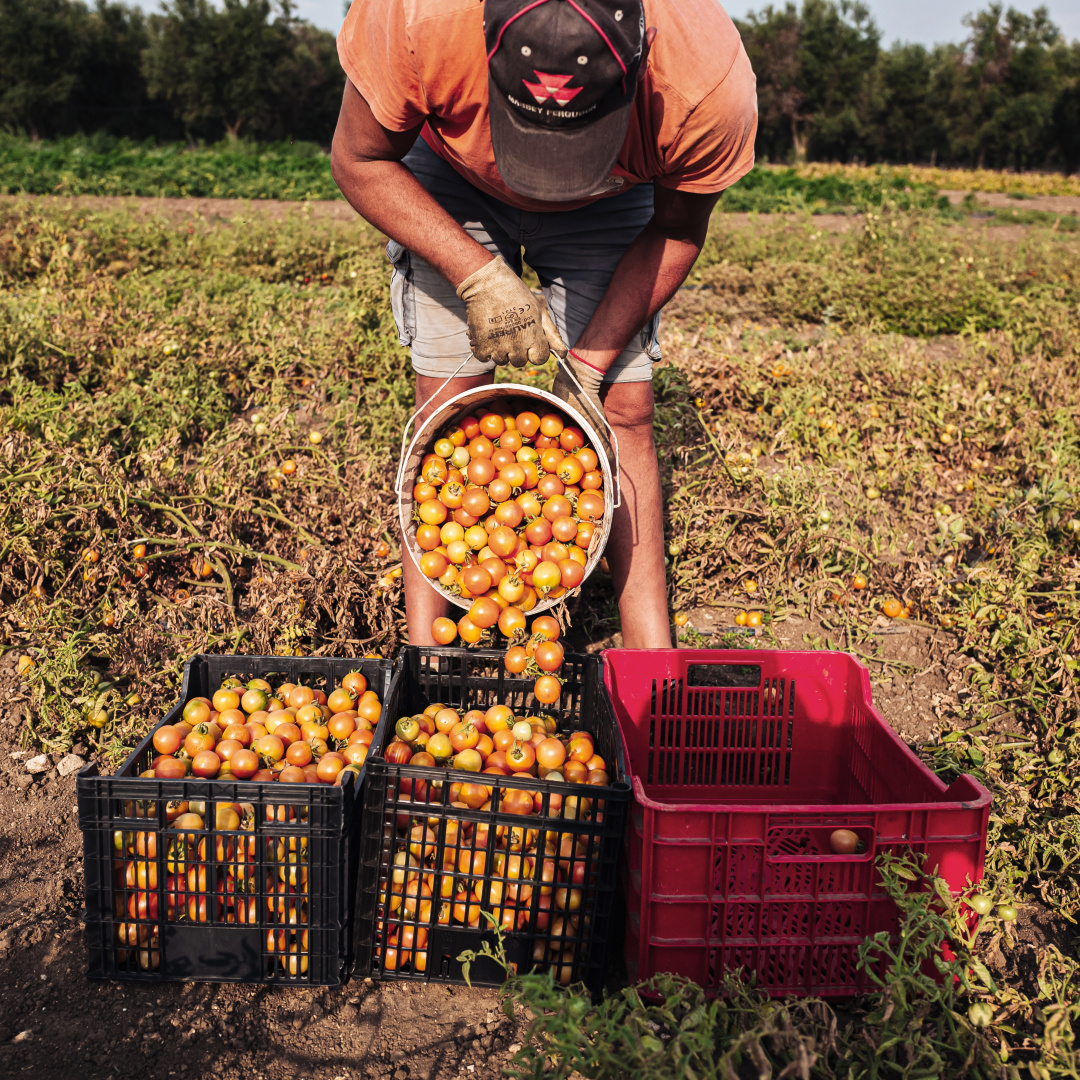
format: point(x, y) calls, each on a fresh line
point(399, 482)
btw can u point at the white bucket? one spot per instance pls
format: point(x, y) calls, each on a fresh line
point(501, 398)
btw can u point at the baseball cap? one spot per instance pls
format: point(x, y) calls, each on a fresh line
point(562, 75)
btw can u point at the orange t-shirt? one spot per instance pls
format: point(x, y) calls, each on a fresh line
point(692, 124)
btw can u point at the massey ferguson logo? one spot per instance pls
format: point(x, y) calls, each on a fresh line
point(553, 87)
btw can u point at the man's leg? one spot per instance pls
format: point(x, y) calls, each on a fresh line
point(423, 605)
point(575, 254)
point(635, 549)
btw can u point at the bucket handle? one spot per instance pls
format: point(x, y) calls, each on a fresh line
point(412, 419)
point(566, 367)
point(611, 431)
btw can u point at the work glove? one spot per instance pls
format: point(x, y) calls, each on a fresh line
point(507, 323)
point(586, 399)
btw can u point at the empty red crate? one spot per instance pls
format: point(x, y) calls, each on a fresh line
point(743, 763)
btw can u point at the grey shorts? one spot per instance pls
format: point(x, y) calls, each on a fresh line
point(574, 254)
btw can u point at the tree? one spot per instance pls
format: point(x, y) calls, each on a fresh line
point(111, 94)
point(219, 66)
point(1066, 125)
point(812, 69)
point(838, 49)
point(771, 39)
point(40, 52)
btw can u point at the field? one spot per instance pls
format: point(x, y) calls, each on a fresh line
point(896, 398)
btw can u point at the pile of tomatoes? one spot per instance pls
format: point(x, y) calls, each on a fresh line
point(250, 731)
point(211, 878)
point(506, 510)
point(450, 871)
point(246, 731)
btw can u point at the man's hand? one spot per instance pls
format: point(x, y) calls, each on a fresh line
point(507, 324)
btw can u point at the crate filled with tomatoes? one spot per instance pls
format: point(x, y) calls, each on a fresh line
point(487, 809)
point(223, 849)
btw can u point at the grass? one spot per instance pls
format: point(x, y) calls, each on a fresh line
point(899, 399)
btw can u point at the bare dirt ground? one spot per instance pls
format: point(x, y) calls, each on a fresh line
point(339, 210)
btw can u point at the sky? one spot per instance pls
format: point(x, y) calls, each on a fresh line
point(924, 21)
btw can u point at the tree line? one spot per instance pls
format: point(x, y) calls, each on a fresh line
point(1007, 96)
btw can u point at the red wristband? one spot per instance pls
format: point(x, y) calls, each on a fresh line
point(585, 362)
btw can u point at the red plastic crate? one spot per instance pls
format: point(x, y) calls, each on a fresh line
point(742, 764)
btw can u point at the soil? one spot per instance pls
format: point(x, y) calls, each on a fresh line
point(224, 210)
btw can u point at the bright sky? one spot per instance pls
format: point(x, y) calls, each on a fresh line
point(926, 21)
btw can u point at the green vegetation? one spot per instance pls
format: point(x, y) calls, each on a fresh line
point(239, 169)
point(897, 400)
point(935, 1014)
point(102, 165)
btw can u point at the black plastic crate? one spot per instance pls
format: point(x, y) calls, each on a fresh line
point(199, 928)
point(466, 843)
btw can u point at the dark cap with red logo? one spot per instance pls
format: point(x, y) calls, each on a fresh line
point(561, 81)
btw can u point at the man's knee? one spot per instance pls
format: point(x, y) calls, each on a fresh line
point(629, 406)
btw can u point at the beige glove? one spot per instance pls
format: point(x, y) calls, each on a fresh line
point(587, 399)
point(507, 324)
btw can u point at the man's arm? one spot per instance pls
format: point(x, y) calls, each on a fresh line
point(365, 163)
point(648, 275)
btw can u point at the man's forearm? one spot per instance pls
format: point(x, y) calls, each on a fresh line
point(387, 195)
point(648, 275)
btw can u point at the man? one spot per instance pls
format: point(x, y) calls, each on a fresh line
point(595, 134)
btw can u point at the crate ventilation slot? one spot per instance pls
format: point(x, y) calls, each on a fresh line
point(715, 729)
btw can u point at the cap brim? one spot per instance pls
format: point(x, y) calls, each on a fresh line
point(555, 166)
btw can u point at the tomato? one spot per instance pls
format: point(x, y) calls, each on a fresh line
point(167, 740)
point(516, 660)
point(590, 506)
point(546, 577)
point(549, 655)
point(892, 608)
point(476, 579)
point(440, 747)
point(550, 754)
point(549, 486)
point(547, 627)
point(520, 757)
point(205, 764)
point(170, 768)
point(468, 760)
point(845, 842)
point(511, 619)
point(198, 740)
point(502, 541)
point(143, 905)
point(444, 630)
point(572, 573)
point(245, 763)
point(368, 708)
point(547, 689)
point(464, 736)
point(484, 612)
point(329, 766)
point(226, 699)
point(1007, 913)
point(980, 903)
